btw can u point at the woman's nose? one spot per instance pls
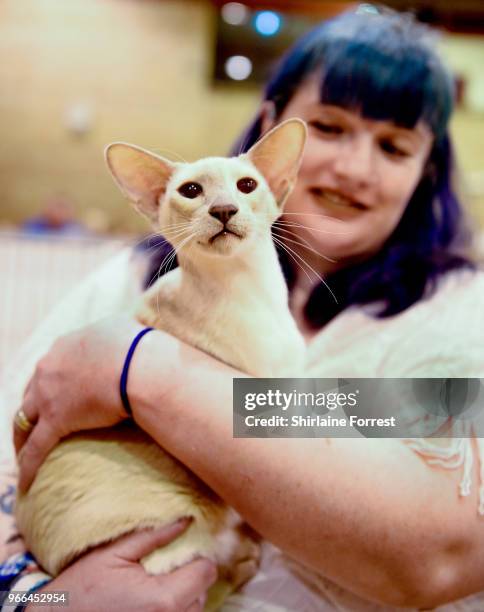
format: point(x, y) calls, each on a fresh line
point(355, 163)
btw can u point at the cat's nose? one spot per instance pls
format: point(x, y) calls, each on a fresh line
point(222, 212)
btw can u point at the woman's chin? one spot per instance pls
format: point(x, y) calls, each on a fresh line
point(334, 241)
point(339, 254)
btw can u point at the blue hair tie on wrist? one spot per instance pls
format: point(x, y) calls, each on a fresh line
point(123, 381)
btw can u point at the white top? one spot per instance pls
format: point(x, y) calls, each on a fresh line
point(442, 336)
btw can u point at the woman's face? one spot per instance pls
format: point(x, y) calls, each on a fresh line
point(356, 178)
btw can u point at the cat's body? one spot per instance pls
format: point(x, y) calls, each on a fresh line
point(227, 298)
point(173, 304)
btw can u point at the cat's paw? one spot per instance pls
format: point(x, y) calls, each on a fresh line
point(147, 317)
point(243, 563)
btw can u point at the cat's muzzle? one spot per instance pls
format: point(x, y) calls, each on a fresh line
point(224, 232)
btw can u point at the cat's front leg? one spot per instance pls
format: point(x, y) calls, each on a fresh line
point(147, 316)
point(233, 546)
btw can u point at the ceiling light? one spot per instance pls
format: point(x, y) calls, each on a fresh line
point(238, 67)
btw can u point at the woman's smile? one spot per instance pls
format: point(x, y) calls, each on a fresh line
point(355, 180)
point(331, 199)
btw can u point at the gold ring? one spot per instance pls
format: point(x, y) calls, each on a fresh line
point(22, 421)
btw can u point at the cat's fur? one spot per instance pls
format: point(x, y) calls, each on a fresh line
point(228, 298)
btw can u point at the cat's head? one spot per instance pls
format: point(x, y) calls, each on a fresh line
point(215, 205)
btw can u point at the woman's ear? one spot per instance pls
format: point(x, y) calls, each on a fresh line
point(267, 116)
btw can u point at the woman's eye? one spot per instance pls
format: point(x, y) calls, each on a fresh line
point(333, 129)
point(389, 147)
point(246, 184)
point(190, 190)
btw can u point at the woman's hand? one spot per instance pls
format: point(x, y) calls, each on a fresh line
point(75, 387)
point(111, 578)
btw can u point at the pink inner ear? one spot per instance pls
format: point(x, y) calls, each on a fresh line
point(279, 177)
point(278, 155)
point(141, 175)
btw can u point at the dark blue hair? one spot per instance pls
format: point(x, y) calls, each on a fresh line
point(382, 65)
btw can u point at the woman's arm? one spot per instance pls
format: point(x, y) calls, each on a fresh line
point(110, 577)
point(369, 514)
point(124, 584)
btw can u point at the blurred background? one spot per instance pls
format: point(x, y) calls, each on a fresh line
point(179, 77)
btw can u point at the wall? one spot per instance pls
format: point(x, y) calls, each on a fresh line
point(465, 55)
point(141, 68)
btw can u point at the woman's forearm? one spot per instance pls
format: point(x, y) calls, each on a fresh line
point(366, 513)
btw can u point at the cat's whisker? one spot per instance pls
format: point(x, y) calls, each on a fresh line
point(171, 257)
point(168, 152)
point(288, 231)
point(301, 244)
point(158, 273)
point(176, 234)
point(176, 226)
point(148, 251)
point(145, 239)
point(310, 229)
point(294, 255)
point(184, 241)
point(177, 249)
point(319, 215)
point(301, 241)
point(275, 226)
point(178, 223)
point(154, 236)
point(152, 250)
point(168, 260)
point(283, 246)
point(165, 263)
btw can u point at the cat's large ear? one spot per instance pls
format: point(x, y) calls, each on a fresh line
point(278, 156)
point(142, 176)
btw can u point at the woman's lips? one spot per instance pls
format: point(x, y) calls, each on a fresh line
point(336, 199)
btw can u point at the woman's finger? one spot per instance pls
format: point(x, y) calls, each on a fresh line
point(19, 436)
point(190, 582)
point(35, 450)
point(30, 413)
point(136, 545)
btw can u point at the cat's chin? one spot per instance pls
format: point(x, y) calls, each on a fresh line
point(223, 243)
point(225, 233)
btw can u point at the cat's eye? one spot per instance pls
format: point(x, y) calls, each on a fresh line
point(246, 184)
point(190, 190)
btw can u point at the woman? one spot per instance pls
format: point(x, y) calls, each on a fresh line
point(369, 520)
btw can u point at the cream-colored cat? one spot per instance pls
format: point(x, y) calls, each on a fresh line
point(229, 298)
